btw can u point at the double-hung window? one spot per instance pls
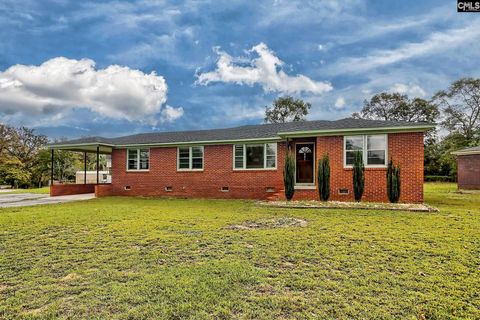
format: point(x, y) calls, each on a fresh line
point(190, 158)
point(373, 149)
point(138, 159)
point(255, 156)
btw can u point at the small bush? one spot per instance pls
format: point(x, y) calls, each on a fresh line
point(439, 179)
point(393, 182)
point(324, 178)
point(358, 176)
point(289, 175)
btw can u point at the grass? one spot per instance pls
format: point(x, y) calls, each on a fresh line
point(133, 258)
point(44, 190)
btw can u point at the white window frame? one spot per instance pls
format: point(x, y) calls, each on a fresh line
point(138, 160)
point(365, 151)
point(244, 168)
point(190, 158)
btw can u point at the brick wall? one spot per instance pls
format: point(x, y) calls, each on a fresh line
point(469, 171)
point(103, 190)
point(208, 183)
point(405, 149)
point(68, 189)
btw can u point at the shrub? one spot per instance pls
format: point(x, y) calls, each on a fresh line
point(289, 175)
point(439, 179)
point(324, 178)
point(358, 176)
point(393, 182)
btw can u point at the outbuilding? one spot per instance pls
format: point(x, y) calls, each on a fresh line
point(468, 168)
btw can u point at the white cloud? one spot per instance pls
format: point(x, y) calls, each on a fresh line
point(60, 85)
point(340, 103)
point(156, 48)
point(436, 42)
point(264, 70)
point(412, 90)
point(170, 114)
point(296, 12)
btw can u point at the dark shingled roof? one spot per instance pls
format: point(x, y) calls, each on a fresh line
point(261, 131)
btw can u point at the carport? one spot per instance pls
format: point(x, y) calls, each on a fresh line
point(98, 148)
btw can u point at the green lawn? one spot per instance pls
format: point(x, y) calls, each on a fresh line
point(132, 258)
point(44, 190)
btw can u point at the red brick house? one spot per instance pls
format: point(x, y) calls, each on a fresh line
point(247, 161)
point(468, 168)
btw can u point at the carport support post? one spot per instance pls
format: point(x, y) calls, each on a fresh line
point(98, 160)
point(85, 167)
point(51, 171)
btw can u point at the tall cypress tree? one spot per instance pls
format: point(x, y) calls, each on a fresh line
point(289, 175)
point(393, 182)
point(358, 176)
point(324, 178)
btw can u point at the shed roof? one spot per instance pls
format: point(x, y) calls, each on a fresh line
point(468, 151)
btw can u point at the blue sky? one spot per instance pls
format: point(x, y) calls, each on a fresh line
point(109, 68)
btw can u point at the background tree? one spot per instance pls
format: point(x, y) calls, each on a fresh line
point(13, 172)
point(398, 107)
point(25, 145)
point(286, 109)
point(460, 104)
point(6, 134)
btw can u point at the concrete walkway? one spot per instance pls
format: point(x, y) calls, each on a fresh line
point(31, 199)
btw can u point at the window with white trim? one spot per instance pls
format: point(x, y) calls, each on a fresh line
point(190, 158)
point(138, 159)
point(255, 156)
point(372, 147)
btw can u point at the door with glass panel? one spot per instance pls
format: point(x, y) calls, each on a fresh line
point(304, 163)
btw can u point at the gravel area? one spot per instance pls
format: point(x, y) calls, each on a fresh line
point(418, 207)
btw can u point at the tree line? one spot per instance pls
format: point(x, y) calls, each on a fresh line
point(25, 161)
point(455, 110)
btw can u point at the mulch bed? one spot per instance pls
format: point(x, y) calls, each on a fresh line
point(416, 207)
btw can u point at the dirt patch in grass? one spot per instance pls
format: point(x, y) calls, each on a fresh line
point(283, 222)
point(35, 312)
point(417, 207)
point(71, 277)
point(467, 191)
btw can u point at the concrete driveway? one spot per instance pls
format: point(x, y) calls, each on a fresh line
point(31, 199)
